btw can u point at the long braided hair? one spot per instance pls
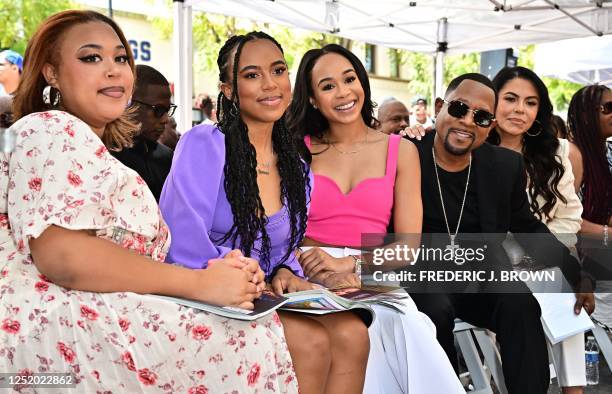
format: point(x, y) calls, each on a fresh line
point(585, 131)
point(540, 148)
point(241, 162)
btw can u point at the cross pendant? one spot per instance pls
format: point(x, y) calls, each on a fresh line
point(452, 245)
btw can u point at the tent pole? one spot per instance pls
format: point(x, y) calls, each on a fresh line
point(183, 70)
point(442, 40)
point(439, 72)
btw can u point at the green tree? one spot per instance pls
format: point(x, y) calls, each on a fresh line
point(210, 31)
point(421, 67)
point(421, 74)
point(560, 91)
point(19, 19)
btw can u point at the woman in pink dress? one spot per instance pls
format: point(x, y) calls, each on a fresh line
point(81, 241)
point(364, 179)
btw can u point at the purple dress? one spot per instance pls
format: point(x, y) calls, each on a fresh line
point(194, 205)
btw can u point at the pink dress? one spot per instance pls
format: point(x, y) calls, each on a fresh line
point(342, 219)
point(61, 174)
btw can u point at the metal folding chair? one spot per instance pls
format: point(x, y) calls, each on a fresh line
point(481, 378)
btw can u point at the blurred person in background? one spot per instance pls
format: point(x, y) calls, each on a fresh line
point(206, 105)
point(11, 66)
point(170, 136)
point(6, 112)
point(393, 116)
point(420, 115)
point(151, 100)
point(559, 126)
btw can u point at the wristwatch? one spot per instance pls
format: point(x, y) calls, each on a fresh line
point(358, 261)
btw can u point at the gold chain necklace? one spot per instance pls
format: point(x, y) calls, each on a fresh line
point(263, 167)
point(350, 152)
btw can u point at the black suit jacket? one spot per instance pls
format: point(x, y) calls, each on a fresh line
point(504, 207)
point(151, 160)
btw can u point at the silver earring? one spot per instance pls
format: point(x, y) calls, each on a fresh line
point(51, 97)
point(539, 130)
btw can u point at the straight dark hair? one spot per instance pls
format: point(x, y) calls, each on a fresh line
point(302, 117)
point(241, 162)
point(540, 144)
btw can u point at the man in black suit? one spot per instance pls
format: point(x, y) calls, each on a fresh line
point(469, 186)
point(151, 100)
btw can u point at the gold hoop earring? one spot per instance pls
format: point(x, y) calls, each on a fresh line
point(538, 131)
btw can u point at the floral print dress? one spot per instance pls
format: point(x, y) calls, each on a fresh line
point(61, 174)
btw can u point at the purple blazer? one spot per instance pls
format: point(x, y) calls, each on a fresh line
point(195, 207)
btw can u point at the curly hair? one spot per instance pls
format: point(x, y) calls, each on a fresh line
point(241, 161)
point(302, 117)
point(539, 148)
point(585, 131)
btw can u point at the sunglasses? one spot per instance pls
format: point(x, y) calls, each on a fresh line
point(459, 109)
point(606, 108)
point(159, 110)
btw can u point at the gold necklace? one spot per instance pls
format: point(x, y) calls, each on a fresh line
point(350, 152)
point(263, 167)
point(265, 170)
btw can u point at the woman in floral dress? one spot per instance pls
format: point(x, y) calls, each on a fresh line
point(81, 238)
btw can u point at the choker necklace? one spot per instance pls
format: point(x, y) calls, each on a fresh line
point(350, 152)
point(452, 237)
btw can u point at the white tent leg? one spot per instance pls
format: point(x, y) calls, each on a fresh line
point(439, 74)
point(183, 70)
point(442, 39)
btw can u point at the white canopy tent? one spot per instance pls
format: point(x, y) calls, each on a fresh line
point(582, 60)
point(437, 27)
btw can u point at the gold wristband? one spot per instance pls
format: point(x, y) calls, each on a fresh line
point(358, 261)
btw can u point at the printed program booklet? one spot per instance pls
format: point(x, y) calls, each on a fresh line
point(318, 301)
point(558, 316)
point(264, 305)
point(359, 300)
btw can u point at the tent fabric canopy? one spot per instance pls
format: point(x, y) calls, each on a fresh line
point(471, 25)
point(431, 26)
point(582, 60)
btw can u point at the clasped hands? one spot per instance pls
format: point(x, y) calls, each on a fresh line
point(238, 281)
point(331, 272)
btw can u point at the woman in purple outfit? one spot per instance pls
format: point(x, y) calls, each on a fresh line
point(252, 194)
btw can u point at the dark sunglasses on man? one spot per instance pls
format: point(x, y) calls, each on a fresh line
point(606, 108)
point(459, 109)
point(158, 110)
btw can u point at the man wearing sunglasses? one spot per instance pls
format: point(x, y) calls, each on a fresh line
point(473, 194)
point(151, 100)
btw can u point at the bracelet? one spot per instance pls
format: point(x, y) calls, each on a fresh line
point(358, 261)
point(605, 235)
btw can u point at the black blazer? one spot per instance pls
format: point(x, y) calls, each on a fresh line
point(504, 207)
point(151, 160)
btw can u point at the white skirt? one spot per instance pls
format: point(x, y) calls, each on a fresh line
point(405, 356)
